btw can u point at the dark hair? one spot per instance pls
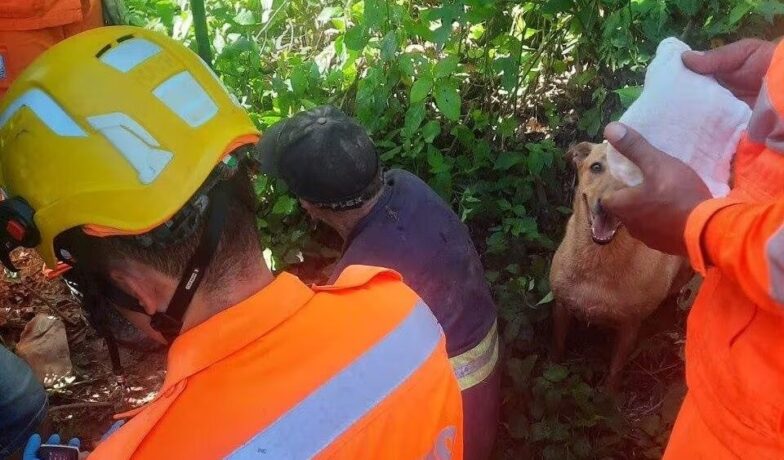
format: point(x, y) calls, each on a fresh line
point(239, 243)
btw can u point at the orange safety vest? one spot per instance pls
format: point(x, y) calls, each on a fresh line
point(30, 27)
point(735, 334)
point(355, 370)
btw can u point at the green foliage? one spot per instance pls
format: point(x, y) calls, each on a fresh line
point(480, 98)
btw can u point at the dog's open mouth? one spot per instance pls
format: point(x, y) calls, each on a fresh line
point(603, 225)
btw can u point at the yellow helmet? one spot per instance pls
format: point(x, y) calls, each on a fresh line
point(112, 130)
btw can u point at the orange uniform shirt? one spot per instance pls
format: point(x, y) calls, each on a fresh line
point(357, 370)
point(30, 27)
point(735, 333)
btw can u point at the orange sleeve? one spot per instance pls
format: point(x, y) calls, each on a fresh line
point(745, 241)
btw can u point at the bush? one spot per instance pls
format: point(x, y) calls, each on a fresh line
point(480, 98)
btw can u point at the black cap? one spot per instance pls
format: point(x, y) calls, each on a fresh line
point(324, 157)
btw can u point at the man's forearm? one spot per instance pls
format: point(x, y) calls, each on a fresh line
point(745, 241)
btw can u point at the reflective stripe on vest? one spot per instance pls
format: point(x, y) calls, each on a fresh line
point(320, 418)
point(473, 366)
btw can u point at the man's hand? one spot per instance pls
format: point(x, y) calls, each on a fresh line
point(34, 443)
point(739, 66)
point(656, 211)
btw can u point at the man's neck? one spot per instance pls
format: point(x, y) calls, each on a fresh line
point(246, 284)
point(344, 222)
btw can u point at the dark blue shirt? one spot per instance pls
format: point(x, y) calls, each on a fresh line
point(413, 231)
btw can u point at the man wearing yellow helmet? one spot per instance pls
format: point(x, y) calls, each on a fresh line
point(138, 177)
point(27, 28)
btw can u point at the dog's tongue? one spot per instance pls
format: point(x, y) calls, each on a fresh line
point(603, 227)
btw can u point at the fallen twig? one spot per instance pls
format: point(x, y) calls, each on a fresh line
point(81, 405)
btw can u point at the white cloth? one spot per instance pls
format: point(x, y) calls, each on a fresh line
point(687, 115)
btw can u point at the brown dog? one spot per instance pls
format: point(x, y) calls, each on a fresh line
point(599, 272)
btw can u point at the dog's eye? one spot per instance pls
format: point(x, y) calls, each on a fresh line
point(597, 167)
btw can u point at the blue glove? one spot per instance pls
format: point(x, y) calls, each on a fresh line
point(34, 443)
point(115, 426)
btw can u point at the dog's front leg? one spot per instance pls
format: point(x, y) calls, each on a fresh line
point(625, 340)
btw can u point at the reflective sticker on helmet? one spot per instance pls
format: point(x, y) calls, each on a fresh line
point(185, 97)
point(129, 54)
point(47, 110)
point(137, 145)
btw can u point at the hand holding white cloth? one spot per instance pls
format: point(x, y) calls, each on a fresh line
point(687, 115)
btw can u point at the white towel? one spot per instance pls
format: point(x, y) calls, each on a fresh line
point(687, 115)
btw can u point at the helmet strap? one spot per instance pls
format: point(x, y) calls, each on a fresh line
point(169, 323)
point(90, 293)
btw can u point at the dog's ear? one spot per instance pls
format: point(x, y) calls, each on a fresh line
point(577, 153)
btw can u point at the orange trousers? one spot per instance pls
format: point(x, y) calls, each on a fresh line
point(692, 439)
point(28, 28)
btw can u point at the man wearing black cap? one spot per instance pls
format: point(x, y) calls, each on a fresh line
point(395, 220)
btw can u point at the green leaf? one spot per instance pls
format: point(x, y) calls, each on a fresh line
point(508, 126)
point(628, 95)
point(476, 32)
point(245, 18)
point(446, 67)
point(738, 12)
point(414, 117)
point(506, 160)
point(448, 101)
point(375, 13)
point(556, 373)
point(556, 6)
point(389, 46)
point(431, 130)
point(441, 35)
point(590, 121)
point(412, 63)
point(769, 9)
point(546, 299)
point(442, 183)
point(420, 89)
point(328, 13)
point(535, 162)
point(689, 7)
point(508, 67)
point(299, 81)
point(520, 369)
point(284, 205)
point(356, 38)
point(436, 160)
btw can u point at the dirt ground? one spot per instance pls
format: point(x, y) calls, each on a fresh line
point(82, 405)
